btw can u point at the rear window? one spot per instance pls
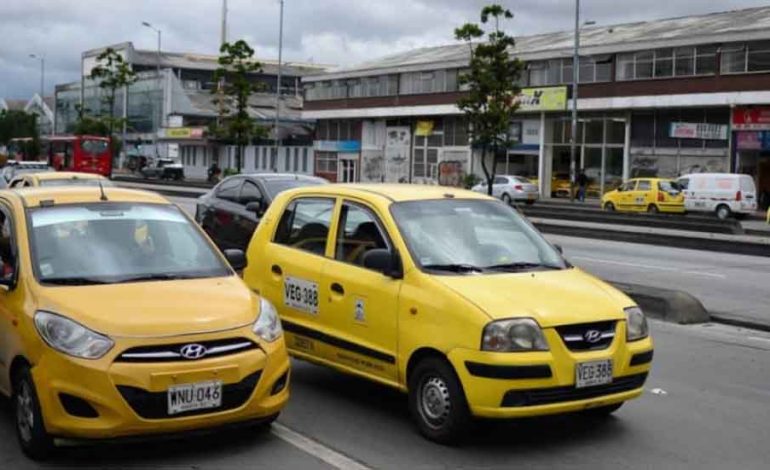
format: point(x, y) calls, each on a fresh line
point(683, 183)
point(93, 146)
point(669, 186)
point(747, 184)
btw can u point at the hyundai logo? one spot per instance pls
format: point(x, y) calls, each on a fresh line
point(193, 351)
point(592, 336)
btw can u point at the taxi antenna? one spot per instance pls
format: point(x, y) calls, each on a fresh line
point(102, 197)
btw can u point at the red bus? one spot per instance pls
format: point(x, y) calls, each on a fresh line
point(83, 153)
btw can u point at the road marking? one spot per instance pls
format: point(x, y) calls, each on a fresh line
point(648, 266)
point(316, 449)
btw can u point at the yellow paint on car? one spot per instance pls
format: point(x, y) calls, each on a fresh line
point(645, 195)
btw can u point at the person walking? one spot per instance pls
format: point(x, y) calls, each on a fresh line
point(582, 182)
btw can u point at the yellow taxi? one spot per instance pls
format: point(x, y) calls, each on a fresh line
point(58, 178)
point(118, 317)
point(651, 195)
point(450, 296)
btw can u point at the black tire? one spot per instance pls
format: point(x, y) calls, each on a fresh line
point(602, 411)
point(264, 425)
point(34, 440)
point(652, 209)
point(723, 212)
point(506, 198)
point(609, 207)
point(446, 418)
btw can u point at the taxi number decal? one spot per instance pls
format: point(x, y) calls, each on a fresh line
point(300, 294)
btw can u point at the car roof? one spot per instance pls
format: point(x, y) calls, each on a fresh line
point(65, 175)
point(390, 192)
point(34, 196)
point(281, 176)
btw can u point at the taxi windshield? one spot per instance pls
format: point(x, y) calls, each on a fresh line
point(467, 236)
point(110, 243)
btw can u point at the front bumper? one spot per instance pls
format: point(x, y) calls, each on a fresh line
point(513, 385)
point(130, 397)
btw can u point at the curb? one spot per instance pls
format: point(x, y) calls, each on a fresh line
point(669, 305)
point(727, 319)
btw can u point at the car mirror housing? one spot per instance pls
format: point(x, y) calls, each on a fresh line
point(385, 261)
point(256, 207)
point(236, 258)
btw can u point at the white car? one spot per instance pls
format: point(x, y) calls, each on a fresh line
point(511, 189)
point(724, 194)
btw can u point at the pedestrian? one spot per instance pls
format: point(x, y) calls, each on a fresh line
point(582, 182)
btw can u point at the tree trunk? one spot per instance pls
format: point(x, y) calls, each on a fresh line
point(490, 177)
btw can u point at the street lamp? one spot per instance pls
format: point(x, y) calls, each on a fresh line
point(575, 79)
point(41, 58)
point(278, 90)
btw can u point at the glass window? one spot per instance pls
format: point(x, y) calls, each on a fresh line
point(664, 63)
point(500, 180)
point(706, 61)
point(228, 189)
point(486, 236)
point(625, 67)
point(326, 162)
point(554, 72)
point(451, 80)
point(94, 147)
point(7, 242)
point(662, 129)
point(359, 233)
point(616, 131)
point(119, 242)
point(627, 186)
point(644, 185)
point(305, 225)
point(685, 61)
point(594, 129)
point(759, 56)
point(250, 193)
point(538, 73)
point(643, 67)
point(274, 186)
point(322, 131)
point(587, 69)
point(604, 70)
point(733, 59)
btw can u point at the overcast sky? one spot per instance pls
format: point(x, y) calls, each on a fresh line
point(341, 32)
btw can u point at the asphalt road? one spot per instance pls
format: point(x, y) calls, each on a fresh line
point(706, 406)
point(736, 285)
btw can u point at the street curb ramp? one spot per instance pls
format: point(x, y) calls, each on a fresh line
point(664, 304)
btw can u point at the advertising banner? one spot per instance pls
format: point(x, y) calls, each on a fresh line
point(698, 130)
point(543, 99)
point(751, 119)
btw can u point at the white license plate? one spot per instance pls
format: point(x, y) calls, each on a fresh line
point(195, 396)
point(300, 294)
point(589, 374)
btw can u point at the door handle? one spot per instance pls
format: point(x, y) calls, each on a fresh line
point(276, 269)
point(337, 288)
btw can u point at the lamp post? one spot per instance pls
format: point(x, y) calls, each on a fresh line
point(41, 58)
point(278, 91)
point(575, 80)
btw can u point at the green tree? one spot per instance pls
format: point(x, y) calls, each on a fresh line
point(112, 73)
point(491, 100)
point(20, 124)
point(236, 126)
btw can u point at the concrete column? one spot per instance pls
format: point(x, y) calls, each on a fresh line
point(543, 182)
point(627, 148)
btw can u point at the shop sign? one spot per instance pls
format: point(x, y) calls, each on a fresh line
point(753, 140)
point(182, 133)
point(423, 128)
point(751, 119)
point(337, 145)
point(543, 99)
point(698, 130)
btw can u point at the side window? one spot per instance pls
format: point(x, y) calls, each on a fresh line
point(683, 183)
point(644, 185)
point(357, 234)
point(7, 243)
point(501, 180)
point(228, 190)
point(305, 225)
point(628, 186)
point(250, 193)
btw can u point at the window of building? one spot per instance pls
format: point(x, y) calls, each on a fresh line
point(685, 61)
point(436, 81)
point(733, 58)
point(664, 63)
point(326, 162)
point(706, 60)
point(643, 64)
point(758, 56)
point(455, 131)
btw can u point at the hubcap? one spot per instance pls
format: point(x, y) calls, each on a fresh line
point(435, 402)
point(25, 418)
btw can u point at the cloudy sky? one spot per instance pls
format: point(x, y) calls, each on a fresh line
point(339, 32)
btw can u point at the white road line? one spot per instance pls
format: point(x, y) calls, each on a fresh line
point(648, 266)
point(316, 449)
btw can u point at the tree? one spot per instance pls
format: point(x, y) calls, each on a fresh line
point(236, 126)
point(14, 123)
point(492, 97)
point(113, 73)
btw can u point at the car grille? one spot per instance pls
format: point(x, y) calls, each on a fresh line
point(546, 396)
point(587, 336)
point(154, 405)
point(173, 352)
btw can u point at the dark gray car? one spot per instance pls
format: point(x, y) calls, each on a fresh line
point(230, 212)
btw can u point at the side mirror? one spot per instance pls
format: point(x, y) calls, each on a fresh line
point(236, 258)
point(256, 207)
point(384, 261)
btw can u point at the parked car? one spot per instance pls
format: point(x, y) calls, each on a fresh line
point(120, 318)
point(165, 169)
point(725, 194)
point(230, 212)
point(449, 296)
point(59, 178)
point(511, 189)
point(14, 169)
point(645, 195)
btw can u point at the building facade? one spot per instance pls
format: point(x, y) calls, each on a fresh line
point(169, 108)
point(663, 98)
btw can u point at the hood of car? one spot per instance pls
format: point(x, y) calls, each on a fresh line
point(155, 308)
point(550, 297)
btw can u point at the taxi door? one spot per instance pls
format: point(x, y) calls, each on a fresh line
point(291, 267)
point(11, 301)
point(643, 196)
point(362, 307)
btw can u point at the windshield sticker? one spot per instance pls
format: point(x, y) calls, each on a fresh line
point(360, 311)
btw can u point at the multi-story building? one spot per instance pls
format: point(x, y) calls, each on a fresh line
point(169, 108)
point(665, 98)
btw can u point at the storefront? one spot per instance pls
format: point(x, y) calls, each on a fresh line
point(337, 160)
point(752, 147)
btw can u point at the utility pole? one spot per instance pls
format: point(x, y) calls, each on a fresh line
point(41, 58)
point(573, 134)
point(276, 134)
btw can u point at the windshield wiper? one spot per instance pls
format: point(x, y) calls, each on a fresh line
point(157, 277)
point(521, 266)
point(74, 281)
point(455, 268)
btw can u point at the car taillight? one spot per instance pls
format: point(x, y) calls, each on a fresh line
point(518, 187)
point(661, 197)
point(738, 196)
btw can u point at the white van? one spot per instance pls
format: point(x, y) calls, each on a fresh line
point(725, 194)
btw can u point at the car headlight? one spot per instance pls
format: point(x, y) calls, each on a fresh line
point(517, 334)
point(268, 325)
point(636, 324)
point(70, 337)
